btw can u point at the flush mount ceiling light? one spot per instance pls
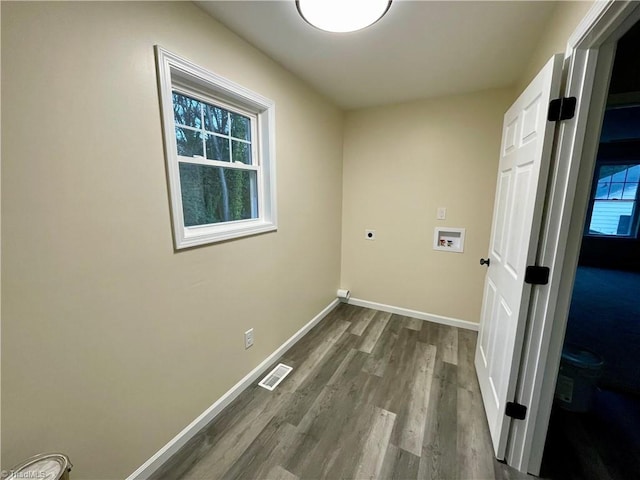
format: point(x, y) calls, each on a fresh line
point(342, 15)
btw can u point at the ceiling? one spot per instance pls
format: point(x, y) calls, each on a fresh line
point(420, 49)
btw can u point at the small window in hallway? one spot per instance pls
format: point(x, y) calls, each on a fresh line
point(614, 202)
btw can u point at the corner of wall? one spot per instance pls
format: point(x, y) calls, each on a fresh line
point(562, 22)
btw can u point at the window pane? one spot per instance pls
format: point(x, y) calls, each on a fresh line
point(634, 174)
point(240, 127)
point(615, 192)
point(630, 190)
point(189, 142)
point(621, 175)
point(610, 217)
point(216, 119)
point(602, 190)
point(214, 194)
point(241, 152)
point(187, 111)
point(217, 148)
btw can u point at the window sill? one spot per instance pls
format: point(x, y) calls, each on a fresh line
point(610, 237)
point(193, 237)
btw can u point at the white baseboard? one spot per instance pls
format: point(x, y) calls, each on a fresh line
point(429, 317)
point(155, 462)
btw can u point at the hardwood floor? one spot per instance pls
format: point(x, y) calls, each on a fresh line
point(372, 395)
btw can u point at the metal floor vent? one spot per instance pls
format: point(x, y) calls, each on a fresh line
point(275, 376)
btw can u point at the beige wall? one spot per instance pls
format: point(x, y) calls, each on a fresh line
point(112, 342)
point(401, 163)
point(564, 20)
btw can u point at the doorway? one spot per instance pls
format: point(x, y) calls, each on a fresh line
point(588, 65)
point(594, 431)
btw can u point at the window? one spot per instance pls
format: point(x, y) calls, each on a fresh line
point(614, 201)
point(219, 147)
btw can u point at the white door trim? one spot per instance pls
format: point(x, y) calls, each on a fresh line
point(589, 58)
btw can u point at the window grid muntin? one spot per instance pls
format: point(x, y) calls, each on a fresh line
point(197, 94)
point(215, 103)
point(623, 182)
point(204, 100)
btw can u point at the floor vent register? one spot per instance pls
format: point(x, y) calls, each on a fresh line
point(275, 376)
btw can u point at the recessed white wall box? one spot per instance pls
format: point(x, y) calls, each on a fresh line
point(370, 234)
point(448, 239)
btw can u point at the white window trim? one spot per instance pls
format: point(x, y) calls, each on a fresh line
point(173, 70)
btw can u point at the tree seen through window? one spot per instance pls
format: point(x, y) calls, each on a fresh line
point(212, 193)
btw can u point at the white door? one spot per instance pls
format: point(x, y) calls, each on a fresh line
point(525, 154)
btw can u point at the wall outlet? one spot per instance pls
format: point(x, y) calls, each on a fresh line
point(248, 338)
point(370, 234)
point(441, 213)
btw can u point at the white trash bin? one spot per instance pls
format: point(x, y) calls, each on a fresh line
point(580, 370)
point(44, 466)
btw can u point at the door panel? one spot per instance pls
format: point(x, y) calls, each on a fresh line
point(504, 185)
point(522, 174)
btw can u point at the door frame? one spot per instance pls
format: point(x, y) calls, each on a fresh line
point(588, 62)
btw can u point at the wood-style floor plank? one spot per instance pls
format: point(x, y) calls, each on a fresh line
point(450, 345)
point(399, 464)
point(474, 452)
point(308, 391)
point(379, 359)
point(331, 421)
point(269, 449)
point(279, 473)
point(466, 353)
point(315, 356)
point(360, 320)
point(373, 332)
point(439, 449)
point(413, 431)
point(410, 323)
point(375, 447)
point(372, 396)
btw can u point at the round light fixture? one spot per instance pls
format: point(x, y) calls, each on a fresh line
point(342, 16)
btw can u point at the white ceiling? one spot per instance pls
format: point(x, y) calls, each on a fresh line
point(419, 49)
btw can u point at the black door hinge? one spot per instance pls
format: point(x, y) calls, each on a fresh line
point(536, 275)
point(515, 410)
point(563, 108)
